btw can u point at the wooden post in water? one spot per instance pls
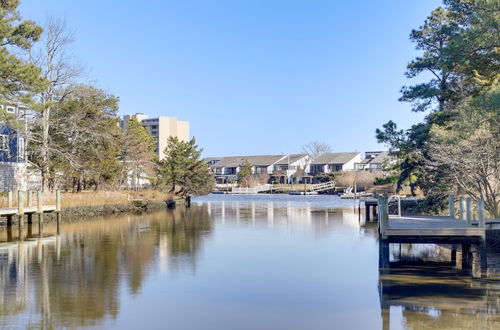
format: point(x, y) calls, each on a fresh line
point(468, 210)
point(10, 199)
point(20, 207)
point(462, 208)
point(58, 207)
point(28, 203)
point(383, 215)
point(480, 213)
point(451, 205)
point(39, 204)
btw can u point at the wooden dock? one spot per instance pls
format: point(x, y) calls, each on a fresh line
point(468, 239)
point(21, 209)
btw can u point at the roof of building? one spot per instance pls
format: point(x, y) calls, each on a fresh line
point(335, 158)
point(381, 158)
point(235, 161)
point(291, 158)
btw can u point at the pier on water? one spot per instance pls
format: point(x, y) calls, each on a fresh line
point(25, 207)
point(465, 236)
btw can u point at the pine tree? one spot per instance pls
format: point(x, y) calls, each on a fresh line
point(183, 171)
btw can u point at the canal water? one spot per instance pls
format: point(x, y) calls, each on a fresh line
point(233, 262)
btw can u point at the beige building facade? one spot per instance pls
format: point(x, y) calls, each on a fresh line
point(161, 128)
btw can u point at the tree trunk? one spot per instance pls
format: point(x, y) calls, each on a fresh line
point(45, 147)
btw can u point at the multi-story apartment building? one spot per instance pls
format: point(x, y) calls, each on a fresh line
point(161, 128)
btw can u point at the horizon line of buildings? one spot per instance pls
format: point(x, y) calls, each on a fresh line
point(296, 168)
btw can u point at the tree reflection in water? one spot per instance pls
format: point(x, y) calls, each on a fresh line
point(434, 296)
point(74, 279)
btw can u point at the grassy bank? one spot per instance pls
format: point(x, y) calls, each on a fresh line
point(94, 198)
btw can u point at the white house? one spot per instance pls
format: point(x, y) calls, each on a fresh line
point(291, 168)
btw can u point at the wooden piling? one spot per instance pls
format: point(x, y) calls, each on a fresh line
point(20, 206)
point(10, 199)
point(451, 205)
point(39, 204)
point(58, 200)
point(462, 208)
point(468, 210)
point(480, 213)
point(383, 215)
point(58, 209)
point(383, 254)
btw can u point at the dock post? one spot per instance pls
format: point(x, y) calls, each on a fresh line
point(20, 207)
point(462, 208)
point(479, 265)
point(451, 205)
point(383, 254)
point(383, 215)
point(468, 210)
point(10, 199)
point(28, 203)
point(58, 207)
point(480, 213)
point(39, 204)
point(466, 256)
point(367, 212)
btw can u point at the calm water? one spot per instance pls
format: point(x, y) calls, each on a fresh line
point(233, 262)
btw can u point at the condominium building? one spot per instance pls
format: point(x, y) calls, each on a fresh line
point(161, 128)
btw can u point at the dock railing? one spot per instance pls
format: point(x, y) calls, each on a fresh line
point(23, 206)
point(466, 213)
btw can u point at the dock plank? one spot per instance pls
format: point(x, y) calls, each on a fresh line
point(10, 211)
point(422, 226)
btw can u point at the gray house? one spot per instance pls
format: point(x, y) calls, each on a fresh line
point(334, 162)
point(226, 169)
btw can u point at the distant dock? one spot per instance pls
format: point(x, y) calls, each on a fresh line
point(22, 209)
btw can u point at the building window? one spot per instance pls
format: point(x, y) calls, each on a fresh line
point(4, 143)
point(317, 168)
point(22, 148)
point(260, 169)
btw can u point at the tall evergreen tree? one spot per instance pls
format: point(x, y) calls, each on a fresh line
point(18, 76)
point(183, 171)
point(460, 49)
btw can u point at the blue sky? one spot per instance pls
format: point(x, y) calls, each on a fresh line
point(251, 76)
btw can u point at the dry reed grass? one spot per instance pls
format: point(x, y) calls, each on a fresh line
point(363, 179)
point(92, 198)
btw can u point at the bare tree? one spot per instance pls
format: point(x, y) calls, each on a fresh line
point(472, 164)
point(58, 68)
point(316, 149)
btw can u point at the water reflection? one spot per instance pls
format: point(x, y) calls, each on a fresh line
point(426, 296)
point(234, 263)
point(74, 279)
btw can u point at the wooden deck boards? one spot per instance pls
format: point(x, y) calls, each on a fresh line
point(421, 227)
point(10, 211)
